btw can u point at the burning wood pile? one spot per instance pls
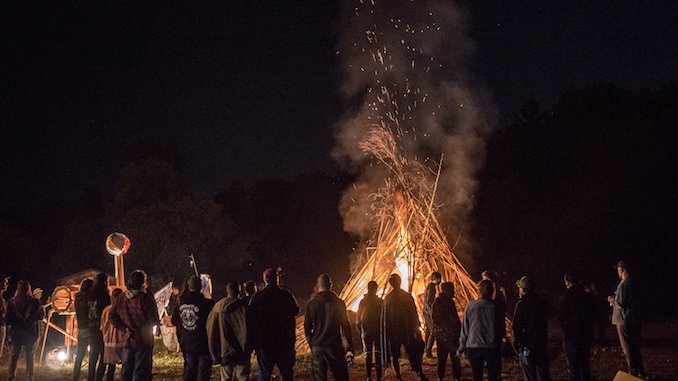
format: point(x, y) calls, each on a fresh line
point(407, 238)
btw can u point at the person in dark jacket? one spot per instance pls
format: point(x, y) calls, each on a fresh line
point(576, 314)
point(24, 312)
point(271, 320)
point(190, 317)
point(530, 322)
point(429, 298)
point(324, 321)
point(136, 313)
point(479, 337)
point(98, 299)
point(228, 337)
point(402, 328)
point(447, 329)
point(369, 325)
point(82, 317)
point(626, 316)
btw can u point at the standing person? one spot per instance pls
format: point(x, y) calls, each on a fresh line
point(530, 321)
point(82, 318)
point(429, 298)
point(228, 337)
point(402, 328)
point(136, 314)
point(250, 290)
point(4, 284)
point(369, 324)
point(626, 316)
point(190, 318)
point(98, 299)
point(576, 314)
point(447, 328)
point(113, 338)
point(479, 337)
point(325, 320)
point(499, 297)
point(271, 320)
point(23, 314)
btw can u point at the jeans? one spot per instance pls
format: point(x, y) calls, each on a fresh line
point(83, 343)
point(96, 358)
point(268, 358)
point(445, 349)
point(534, 365)
point(137, 365)
point(480, 356)
point(329, 358)
point(197, 367)
point(372, 345)
point(29, 352)
point(235, 371)
point(629, 339)
point(578, 360)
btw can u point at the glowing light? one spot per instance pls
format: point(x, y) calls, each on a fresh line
point(61, 355)
point(155, 330)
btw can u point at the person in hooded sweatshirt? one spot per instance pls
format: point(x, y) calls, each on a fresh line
point(227, 335)
point(82, 317)
point(325, 320)
point(190, 318)
point(136, 314)
point(369, 324)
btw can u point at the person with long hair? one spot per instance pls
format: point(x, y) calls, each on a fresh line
point(23, 314)
point(113, 338)
point(98, 299)
point(82, 317)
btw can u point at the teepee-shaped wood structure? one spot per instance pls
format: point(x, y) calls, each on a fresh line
point(408, 238)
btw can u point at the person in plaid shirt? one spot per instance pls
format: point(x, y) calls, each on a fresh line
point(135, 314)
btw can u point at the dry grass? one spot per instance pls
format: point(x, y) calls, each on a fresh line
point(660, 352)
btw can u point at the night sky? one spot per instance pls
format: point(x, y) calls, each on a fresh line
point(250, 90)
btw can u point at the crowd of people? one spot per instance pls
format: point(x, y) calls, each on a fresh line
point(117, 327)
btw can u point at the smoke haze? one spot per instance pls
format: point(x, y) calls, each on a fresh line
point(406, 66)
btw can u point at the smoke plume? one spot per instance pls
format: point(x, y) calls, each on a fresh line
point(406, 66)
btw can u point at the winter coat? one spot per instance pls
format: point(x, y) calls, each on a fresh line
point(530, 322)
point(446, 323)
point(369, 314)
point(400, 315)
point(23, 319)
point(113, 338)
point(190, 318)
point(136, 313)
point(324, 321)
point(576, 314)
point(626, 305)
point(227, 331)
point(272, 316)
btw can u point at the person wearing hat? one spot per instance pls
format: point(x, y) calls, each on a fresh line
point(4, 284)
point(271, 320)
point(530, 332)
point(626, 317)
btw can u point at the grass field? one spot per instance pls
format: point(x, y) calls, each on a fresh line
point(660, 353)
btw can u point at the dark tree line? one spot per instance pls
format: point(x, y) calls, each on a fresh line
point(574, 186)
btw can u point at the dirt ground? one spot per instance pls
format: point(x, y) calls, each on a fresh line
point(660, 354)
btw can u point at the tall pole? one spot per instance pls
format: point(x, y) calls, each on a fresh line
point(119, 270)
